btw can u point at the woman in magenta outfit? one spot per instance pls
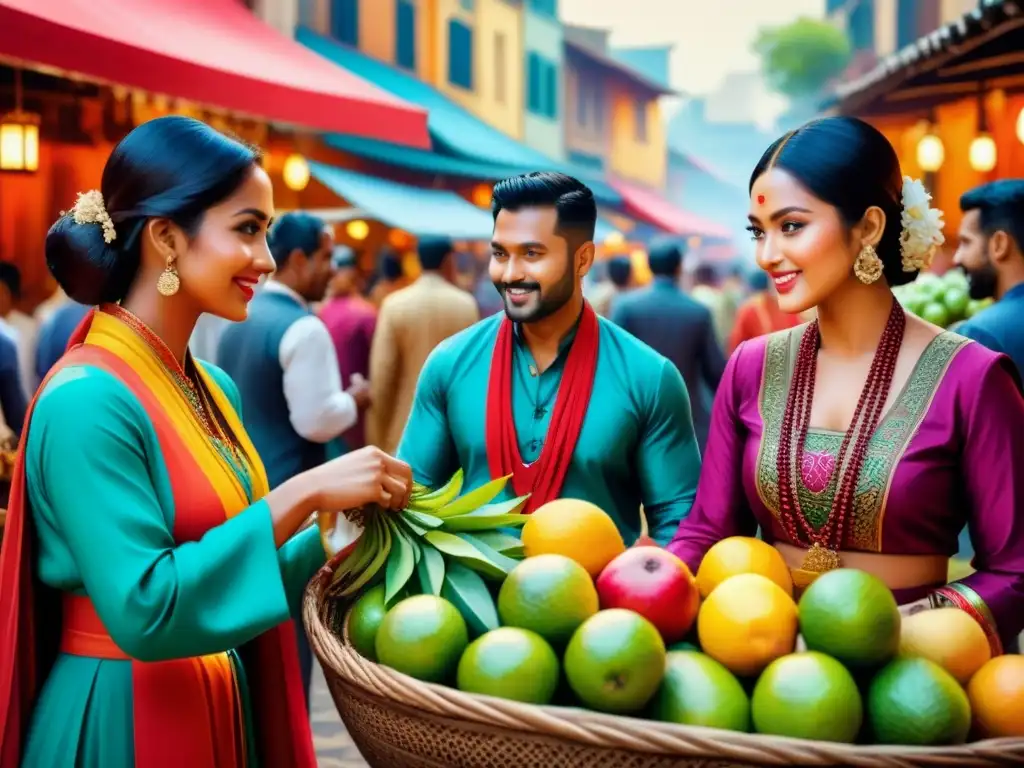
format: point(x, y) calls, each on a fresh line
point(927, 426)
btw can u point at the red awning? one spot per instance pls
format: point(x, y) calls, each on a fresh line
point(648, 205)
point(215, 53)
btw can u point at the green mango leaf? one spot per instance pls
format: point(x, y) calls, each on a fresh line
point(474, 499)
point(482, 523)
point(495, 557)
point(511, 546)
point(433, 500)
point(507, 507)
point(384, 543)
point(469, 594)
point(430, 570)
point(422, 520)
point(466, 554)
point(401, 562)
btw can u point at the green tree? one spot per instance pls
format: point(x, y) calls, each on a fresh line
point(799, 59)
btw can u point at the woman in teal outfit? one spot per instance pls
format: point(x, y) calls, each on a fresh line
point(169, 570)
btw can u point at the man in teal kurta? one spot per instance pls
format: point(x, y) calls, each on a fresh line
point(633, 443)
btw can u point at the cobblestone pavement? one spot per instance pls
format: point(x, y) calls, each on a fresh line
point(334, 747)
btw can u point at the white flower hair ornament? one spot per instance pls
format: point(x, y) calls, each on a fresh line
point(90, 209)
point(921, 234)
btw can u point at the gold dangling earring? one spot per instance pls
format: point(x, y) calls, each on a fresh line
point(168, 283)
point(867, 267)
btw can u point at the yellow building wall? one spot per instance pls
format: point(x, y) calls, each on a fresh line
point(377, 29)
point(498, 65)
point(445, 11)
point(644, 161)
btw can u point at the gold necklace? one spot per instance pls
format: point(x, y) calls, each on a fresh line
point(194, 394)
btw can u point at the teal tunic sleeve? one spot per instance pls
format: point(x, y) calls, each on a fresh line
point(303, 554)
point(104, 510)
point(669, 458)
point(427, 444)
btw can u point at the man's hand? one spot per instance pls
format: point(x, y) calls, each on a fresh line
point(359, 388)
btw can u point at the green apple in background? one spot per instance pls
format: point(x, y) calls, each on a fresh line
point(956, 300)
point(928, 285)
point(936, 312)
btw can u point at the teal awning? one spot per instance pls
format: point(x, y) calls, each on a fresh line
point(417, 211)
point(468, 146)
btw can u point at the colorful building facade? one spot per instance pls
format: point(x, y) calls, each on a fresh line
point(544, 43)
point(613, 116)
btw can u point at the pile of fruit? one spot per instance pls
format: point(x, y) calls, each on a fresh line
point(943, 300)
point(583, 621)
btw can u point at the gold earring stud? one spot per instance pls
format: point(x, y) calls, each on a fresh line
point(168, 283)
point(868, 267)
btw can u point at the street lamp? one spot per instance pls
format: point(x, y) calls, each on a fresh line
point(19, 136)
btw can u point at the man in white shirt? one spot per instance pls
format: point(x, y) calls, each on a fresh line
point(283, 360)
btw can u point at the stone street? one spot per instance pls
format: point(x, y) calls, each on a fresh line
point(334, 747)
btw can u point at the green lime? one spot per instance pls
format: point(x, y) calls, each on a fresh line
point(424, 637)
point(615, 661)
point(697, 690)
point(851, 616)
point(364, 621)
point(915, 702)
point(808, 696)
point(936, 312)
point(956, 301)
point(548, 594)
point(510, 663)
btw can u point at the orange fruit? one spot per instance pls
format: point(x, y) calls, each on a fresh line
point(950, 638)
point(747, 623)
point(742, 554)
point(997, 697)
point(576, 529)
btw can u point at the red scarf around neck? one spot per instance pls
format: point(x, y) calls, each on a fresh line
point(543, 479)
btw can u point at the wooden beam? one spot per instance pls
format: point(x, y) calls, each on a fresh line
point(980, 65)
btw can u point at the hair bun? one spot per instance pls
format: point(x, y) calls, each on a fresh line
point(90, 270)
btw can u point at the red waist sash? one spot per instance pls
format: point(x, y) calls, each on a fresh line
point(199, 694)
point(82, 632)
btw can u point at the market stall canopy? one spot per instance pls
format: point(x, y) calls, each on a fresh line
point(466, 146)
point(983, 46)
point(212, 52)
point(417, 211)
point(648, 205)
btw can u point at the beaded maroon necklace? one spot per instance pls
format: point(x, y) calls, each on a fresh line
point(824, 544)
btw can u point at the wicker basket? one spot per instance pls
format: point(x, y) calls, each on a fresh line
point(399, 722)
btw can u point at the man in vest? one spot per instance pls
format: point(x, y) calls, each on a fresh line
point(282, 358)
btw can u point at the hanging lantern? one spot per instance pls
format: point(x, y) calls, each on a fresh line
point(19, 142)
point(296, 172)
point(982, 153)
point(357, 229)
point(931, 153)
point(19, 136)
point(1020, 125)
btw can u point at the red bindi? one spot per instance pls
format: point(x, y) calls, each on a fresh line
point(760, 199)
